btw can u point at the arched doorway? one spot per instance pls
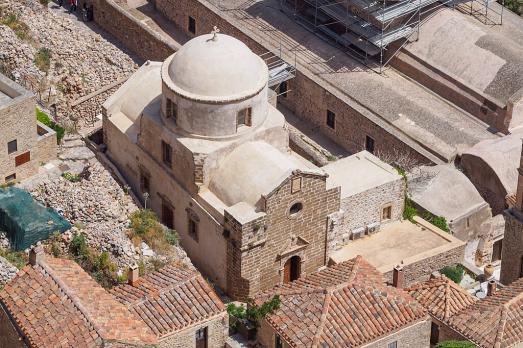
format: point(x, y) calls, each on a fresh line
point(291, 270)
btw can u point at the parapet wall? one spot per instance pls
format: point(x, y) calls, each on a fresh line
point(136, 36)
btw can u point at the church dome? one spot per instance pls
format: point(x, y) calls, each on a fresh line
point(216, 67)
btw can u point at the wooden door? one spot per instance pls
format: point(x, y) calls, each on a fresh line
point(167, 216)
point(287, 272)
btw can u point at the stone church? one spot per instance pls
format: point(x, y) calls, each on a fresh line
point(198, 139)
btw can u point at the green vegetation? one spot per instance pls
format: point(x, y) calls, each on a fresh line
point(98, 265)
point(16, 258)
point(454, 273)
point(12, 21)
point(44, 2)
point(42, 59)
point(71, 177)
point(7, 184)
point(145, 227)
point(253, 313)
point(455, 344)
point(44, 118)
point(515, 6)
point(410, 211)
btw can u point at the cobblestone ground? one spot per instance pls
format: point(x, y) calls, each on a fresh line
point(81, 61)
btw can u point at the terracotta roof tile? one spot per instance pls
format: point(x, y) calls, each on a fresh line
point(495, 321)
point(56, 303)
point(170, 299)
point(345, 305)
point(441, 296)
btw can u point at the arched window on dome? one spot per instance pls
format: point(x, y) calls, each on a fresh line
point(171, 110)
point(244, 118)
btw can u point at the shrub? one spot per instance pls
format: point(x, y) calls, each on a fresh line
point(455, 344)
point(409, 211)
point(16, 258)
point(42, 58)
point(71, 177)
point(44, 2)
point(145, 227)
point(44, 118)
point(253, 313)
point(20, 29)
point(454, 273)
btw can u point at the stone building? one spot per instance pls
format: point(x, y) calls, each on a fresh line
point(178, 305)
point(212, 158)
point(25, 143)
point(444, 191)
point(512, 266)
point(53, 302)
point(494, 321)
point(346, 305)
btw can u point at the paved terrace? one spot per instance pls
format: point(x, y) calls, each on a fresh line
point(400, 242)
point(405, 109)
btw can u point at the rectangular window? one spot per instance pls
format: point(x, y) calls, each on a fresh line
point(10, 177)
point(393, 344)
point(145, 184)
point(387, 213)
point(331, 119)
point(167, 153)
point(244, 117)
point(201, 337)
point(283, 89)
point(192, 25)
point(12, 146)
point(192, 221)
point(171, 110)
point(369, 144)
point(23, 158)
point(497, 248)
point(296, 185)
point(278, 343)
point(167, 214)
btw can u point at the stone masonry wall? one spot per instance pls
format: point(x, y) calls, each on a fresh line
point(414, 336)
point(217, 333)
point(306, 98)
point(259, 265)
point(365, 208)
point(18, 121)
point(8, 335)
point(136, 36)
point(512, 251)
point(421, 270)
point(47, 147)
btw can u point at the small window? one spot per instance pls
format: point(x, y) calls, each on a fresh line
point(386, 213)
point(23, 158)
point(283, 89)
point(244, 117)
point(167, 153)
point(201, 338)
point(192, 25)
point(295, 209)
point(145, 184)
point(468, 222)
point(393, 344)
point(167, 214)
point(296, 185)
point(12, 146)
point(331, 119)
point(11, 177)
point(369, 144)
point(192, 220)
point(278, 343)
point(171, 110)
point(497, 248)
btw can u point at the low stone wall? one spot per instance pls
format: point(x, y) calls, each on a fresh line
point(136, 36)
point(46, 149)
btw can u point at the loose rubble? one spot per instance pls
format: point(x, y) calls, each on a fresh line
point(7, 271)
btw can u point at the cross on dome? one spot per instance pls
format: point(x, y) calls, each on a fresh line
point(214, 33)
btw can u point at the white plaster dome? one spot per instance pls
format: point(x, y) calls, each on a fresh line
point(216, 68)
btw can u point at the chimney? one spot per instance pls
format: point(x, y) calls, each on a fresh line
point(133, 275)
point(491, 287)
point(519, 192)
point(36, 255)
point(398, 277)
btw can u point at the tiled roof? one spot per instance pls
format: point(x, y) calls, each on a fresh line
point(170, 299)
point(495, 321)
point(346, 305)
point(441, 296)
point(57, 301)
point(510, 200)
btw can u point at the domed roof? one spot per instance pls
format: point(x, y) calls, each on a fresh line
point(216, 67)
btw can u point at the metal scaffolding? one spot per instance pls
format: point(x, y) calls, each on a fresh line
point(365, 29)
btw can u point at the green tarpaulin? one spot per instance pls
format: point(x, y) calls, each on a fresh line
point(25, 220)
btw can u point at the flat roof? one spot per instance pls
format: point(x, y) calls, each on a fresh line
point(11, 92)
point(399, 242)
point(359, 172)
point(410, 112)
